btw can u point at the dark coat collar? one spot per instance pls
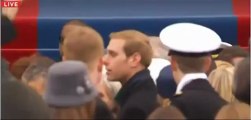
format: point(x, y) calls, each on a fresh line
point(198, 84)
point(132, 85)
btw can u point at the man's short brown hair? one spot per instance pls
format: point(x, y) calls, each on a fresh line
point(84, 44)
point(242, 81)
point(135, 41)
point(190, 64)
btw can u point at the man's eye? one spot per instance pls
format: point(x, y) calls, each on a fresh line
point(112, 54)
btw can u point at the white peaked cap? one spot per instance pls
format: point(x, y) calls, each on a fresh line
point(190, 38)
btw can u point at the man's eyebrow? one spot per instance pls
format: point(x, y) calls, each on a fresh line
point(111, 52)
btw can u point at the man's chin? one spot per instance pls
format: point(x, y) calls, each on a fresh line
point(111, 79)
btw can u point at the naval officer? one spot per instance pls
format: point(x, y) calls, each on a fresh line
point(190, 47)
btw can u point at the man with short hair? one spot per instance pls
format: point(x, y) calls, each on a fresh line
point(190, 47)
point(85, 44)
point(129, 55)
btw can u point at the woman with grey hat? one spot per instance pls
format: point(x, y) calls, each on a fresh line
point(71, 95)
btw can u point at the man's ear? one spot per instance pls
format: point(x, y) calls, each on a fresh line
point(207, 64)
point(174, 64)
point(135, 59)
point(63, 58)
point(99, 73)
point(61, 49)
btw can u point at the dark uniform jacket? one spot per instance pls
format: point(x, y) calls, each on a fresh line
point(198, 100)
point(137, 98)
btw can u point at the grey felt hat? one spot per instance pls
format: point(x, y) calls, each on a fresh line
point(69, 85)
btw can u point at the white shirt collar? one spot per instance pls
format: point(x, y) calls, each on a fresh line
point(189, 78)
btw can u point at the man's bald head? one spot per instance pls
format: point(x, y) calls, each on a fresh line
point(159, 49)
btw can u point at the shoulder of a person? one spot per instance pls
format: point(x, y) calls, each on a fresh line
point(142, 99)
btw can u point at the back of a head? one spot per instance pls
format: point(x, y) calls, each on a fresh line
point(221, 80)
point(19, 66)
point(227, 54)
point(135, 42)
point(84, 44)
point(169, 112)
point(242, 81)
point(234, 111)
point(21, 102)
point(36, 73)
point(38, 67)
point(223, 64)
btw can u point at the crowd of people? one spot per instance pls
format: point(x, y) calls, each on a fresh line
point(187, 72)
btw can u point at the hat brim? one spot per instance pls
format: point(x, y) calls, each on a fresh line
point(69, 101)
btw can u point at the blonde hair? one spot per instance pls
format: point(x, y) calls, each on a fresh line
point(236, 110)
point(135, 42)
point(84, 44)
point(223, 64)
point(221, 80)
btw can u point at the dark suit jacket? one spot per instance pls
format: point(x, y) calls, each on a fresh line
point(198, 100)
point(102, 111)
point(137, 98)
point(165, 83)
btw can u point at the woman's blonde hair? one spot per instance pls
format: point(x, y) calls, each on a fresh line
point(223, 64)
point(221, 80)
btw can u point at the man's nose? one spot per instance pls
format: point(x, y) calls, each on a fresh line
point(105, 61)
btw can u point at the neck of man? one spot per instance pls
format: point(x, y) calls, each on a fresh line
point(178, 75)
point(132, 73)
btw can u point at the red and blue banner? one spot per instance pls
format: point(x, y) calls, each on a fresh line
point(39, 22)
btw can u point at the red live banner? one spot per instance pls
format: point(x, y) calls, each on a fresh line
point(11, 3)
